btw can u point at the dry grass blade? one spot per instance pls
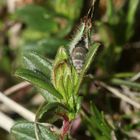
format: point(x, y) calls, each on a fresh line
point(120, 95)
point(135, 77)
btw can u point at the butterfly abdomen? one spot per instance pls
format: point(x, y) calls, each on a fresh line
point(78, 54)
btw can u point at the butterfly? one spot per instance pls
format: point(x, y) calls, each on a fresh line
point(80, 43)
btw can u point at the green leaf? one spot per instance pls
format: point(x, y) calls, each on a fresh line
point(130, 84)
point(25, 131)
point(130, 18)
point(53, 44)
point(110, 10)
point(64, 76)
point(47, 46)
point(61, 56)
point(133, 4)
point(67, 8)
point(60, 70)
point(124, 75)
point(101, 123)
point(97, 125)
point(89, 58)
point(51, 111)
point(38, 79)
point(37, 18)
point(34, 61)
point(47, 96)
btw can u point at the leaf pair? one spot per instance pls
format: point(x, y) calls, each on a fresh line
point(25, 131)
point(38, 72)
point(51, 112)
point(64, 76)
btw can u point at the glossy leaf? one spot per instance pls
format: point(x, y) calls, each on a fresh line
point(47, 96)
point(34, 61)
point(90, 56)
point(61, 56)
point(51, 111)
point(64, 76)
point(26, 131)
point(38, 79)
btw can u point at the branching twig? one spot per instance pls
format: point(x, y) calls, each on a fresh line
point(17, 108)
point(120, 95)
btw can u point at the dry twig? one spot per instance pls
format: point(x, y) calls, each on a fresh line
point(120, 95)
point(17, 108)
point(5, 122)
point(16, 88)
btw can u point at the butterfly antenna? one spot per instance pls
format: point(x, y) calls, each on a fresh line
point(91, 10)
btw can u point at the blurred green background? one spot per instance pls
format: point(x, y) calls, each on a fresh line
point(43, 26)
